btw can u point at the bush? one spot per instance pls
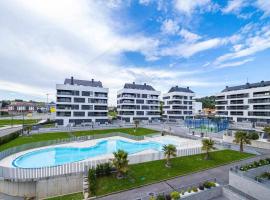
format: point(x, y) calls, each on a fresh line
point(195, 189)
point(189, 190)
point(92, 180)
point(253, 136)
point(168, 197)
point(160, 197)
point(208, 184)
point(8, 138)
point(201, 187)
point(103, 169)
point(175, 195)
point(152, 198)
point(182, 192)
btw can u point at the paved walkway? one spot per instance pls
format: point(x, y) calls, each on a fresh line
point(6, 197)
point(7, 130)
point(220, 173)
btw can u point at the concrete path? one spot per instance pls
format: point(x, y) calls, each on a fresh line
point(220, 173)
point(6, 197)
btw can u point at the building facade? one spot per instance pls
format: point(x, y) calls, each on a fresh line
point(249, 102)
point(178, 103)
point(81, 102)
point(138, 102)
point(22, 107)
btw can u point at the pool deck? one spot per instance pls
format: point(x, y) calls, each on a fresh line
point(180, 143)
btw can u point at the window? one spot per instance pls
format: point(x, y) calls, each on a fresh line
point(87, 107)
point(140, 113)
point(139, 101)
point(78, 114)
point(87, 93)
point(144, 96)
point(79, 100)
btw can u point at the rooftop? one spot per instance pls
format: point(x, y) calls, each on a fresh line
point(138, 86)
point(91, 83)
point(247, 86)
point(180, 89)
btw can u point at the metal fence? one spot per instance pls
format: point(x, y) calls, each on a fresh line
point(22, 174)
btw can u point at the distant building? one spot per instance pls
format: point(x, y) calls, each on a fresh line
point(249, 102)
point(80, 102)
point(178, 103)
point(19, 107)
point(198, 110)
point(138, 102)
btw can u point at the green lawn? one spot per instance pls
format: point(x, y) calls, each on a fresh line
point(17, 121)
point(139, 131)
point(60, 135)
point(154, 171)
point(76, 196)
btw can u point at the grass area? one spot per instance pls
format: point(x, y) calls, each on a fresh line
point(138, 132)
point(76, 196)
point(60, 135)
point(17, 121)
point(154, 171)
point(33, 138)
point(52, 125)
point(149, 172)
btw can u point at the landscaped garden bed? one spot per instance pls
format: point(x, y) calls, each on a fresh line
point(155, 171)
point(255, 164)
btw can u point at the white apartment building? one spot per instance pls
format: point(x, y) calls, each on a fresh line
point(249, 102)
point(81, 102)
point(178, 103)
point(138, 102)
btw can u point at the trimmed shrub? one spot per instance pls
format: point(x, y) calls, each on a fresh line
point(152, 198)
point(92, 180)
point(8, 138)
point(189, 190)
point(253, 136)
point(201, 187)
point(182, 192)
point(195, 189)
point(175, 195)
point(160, 197)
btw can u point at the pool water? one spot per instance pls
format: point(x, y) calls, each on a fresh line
point(62, 155)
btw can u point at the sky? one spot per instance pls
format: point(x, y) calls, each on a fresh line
point(204, 44)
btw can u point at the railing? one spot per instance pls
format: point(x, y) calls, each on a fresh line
point(77, 167)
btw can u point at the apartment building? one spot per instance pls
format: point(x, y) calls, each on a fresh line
point(81, 102)
point(138, 102)
point(249, 102)
point(178, 103)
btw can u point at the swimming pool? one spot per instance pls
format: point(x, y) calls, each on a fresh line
point(54, 156)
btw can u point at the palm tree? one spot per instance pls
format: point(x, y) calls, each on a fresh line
point(208, 145)
point(169, 151)
point(136, 123)
point(241, 137)
point(120, 162)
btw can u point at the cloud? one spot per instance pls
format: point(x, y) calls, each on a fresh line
point(145, 2)
point(251, 39)
point(189, 49)
point(264, 5)
point(235, 64)
point(187, 7)
point(234, 6)
point(169, 27)
point(189, 36)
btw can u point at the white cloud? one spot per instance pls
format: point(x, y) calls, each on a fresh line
point(235, 64)
point(189, 6)
point(169, 27)
point(264, 5)
point(145, 2)
point(189, 36)
point(188, 49)
point(234, 6)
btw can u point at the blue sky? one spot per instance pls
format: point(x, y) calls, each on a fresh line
point(203, 44)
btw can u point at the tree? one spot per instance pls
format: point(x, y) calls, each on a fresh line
point(120, 162)
point(161, 104)
point(136, 123)
point(267, 130)
point(169, 151)
point(208, 145)
point(241, 138)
